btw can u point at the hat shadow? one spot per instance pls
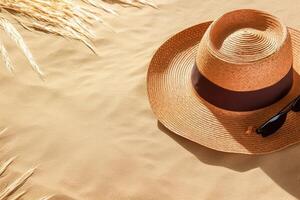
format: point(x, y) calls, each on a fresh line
point(280, 168)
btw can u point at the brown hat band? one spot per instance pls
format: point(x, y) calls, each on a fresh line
point(240, 100)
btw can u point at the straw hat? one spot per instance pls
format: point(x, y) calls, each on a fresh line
point(216, 82)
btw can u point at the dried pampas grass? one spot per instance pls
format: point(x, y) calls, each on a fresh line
point(11, 190)
point(67, 18)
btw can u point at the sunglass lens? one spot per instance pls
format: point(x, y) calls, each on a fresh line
point(272, 125)
point(296, 106)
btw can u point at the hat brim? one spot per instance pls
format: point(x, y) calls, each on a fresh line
point(182, 111)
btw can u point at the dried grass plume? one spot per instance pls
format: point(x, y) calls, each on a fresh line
point(67, 18)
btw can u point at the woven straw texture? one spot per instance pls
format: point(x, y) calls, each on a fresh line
point(176, 105)
point(246, 45)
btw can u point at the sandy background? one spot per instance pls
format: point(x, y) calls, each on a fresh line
point(89, 126)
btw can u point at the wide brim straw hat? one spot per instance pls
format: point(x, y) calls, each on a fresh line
point(216, 82)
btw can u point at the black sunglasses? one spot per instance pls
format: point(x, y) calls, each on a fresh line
point(275, 122)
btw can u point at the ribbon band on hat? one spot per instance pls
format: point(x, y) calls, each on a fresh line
point(240, 100)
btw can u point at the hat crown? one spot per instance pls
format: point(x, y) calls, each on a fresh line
point(245, 50)
point(246, 36)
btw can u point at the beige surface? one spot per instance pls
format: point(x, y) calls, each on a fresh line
point(89, 126)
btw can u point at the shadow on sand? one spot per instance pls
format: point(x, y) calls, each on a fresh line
point(282, 167)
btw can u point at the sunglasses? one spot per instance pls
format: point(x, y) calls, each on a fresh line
point(275, 122)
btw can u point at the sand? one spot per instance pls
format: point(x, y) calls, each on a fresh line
point(89, 128)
